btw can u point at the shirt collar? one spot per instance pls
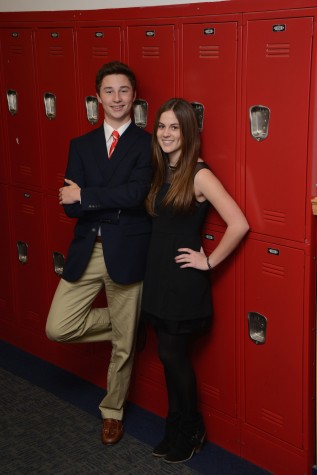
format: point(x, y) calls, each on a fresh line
point(108, 129)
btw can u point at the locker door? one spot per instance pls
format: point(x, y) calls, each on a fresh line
point(209, 77)
point(21, 114)
point(96, 46)
point(57, 100)
point(218, 381)
point(29, 266)
point(151, 54)
point(59, 236)
point(273, 351)
point(215, 354)
point(5, 259)
point(278, 78)
point(4, 166)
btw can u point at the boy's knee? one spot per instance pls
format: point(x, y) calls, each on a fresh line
point(52, 333)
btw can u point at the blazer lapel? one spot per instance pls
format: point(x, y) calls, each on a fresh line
point(99, 148)
point(108, 166)
point(122, 149)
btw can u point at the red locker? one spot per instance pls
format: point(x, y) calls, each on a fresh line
point(19, 80)
point(57, 100)
point(59, 235)
point(6, 296)
point(209, 78)
point(96, 45)
point(29, 264)
point(151, 54)
point(218, 384)
point(278, 58)
point(274, 290)
point(4, 162)
point(253, 74)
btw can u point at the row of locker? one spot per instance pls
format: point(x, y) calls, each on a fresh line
point(209, 75)
point(255, 369)
point(272, 269)
point(262, 321)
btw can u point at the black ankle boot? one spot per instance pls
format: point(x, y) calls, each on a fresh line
point(189, 440)
point(171, 431)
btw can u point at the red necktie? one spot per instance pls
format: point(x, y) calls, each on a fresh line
point(115, 138)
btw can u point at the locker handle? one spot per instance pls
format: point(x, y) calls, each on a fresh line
point(259, 121)
point(50, 105)
point(92, 111)
point(257, 327)
point(12, 99)
point(58, 263)
point(140, 111)
point(22, 251)
point(200, 112)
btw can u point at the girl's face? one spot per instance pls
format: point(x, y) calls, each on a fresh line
point(169, 136)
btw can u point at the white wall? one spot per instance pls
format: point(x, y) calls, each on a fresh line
point(53, 5)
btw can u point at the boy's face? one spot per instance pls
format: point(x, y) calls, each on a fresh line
point(116, 96)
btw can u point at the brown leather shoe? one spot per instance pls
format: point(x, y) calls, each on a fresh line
point(112, 431)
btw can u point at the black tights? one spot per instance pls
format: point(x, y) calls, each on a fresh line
point(173, 351)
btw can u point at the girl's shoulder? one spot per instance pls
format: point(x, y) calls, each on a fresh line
point(200, 165)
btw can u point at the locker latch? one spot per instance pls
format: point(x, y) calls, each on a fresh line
point(22, 251)
point(259, 121)
point(50, 105)
point(92, 111)
point(58, 263)
point(257, 327)
point(199, 111)
point(140, 111)
point(12, 99)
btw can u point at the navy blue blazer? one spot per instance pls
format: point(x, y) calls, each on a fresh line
point(112, 198)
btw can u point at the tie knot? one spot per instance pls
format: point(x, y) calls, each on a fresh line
point(115, 135)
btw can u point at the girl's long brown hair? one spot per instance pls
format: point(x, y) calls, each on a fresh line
point(181, 192)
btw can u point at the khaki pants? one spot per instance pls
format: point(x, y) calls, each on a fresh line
point(71, 319)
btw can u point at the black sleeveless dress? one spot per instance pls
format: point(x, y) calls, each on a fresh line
point(174, 299)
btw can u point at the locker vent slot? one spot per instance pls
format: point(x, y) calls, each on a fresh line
point(154, 370)
point(272, 417)
point(56, 51)
point(16, 49)
point(209, 52)
point(28, 209)
point(60, 178)
point(275, 216)
point(100, 52)
point(211, 390)
point(278, 50)
point(150, 52)
point(276, 271)
point(63, 218)
point(35, 317)
point(25, 170)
